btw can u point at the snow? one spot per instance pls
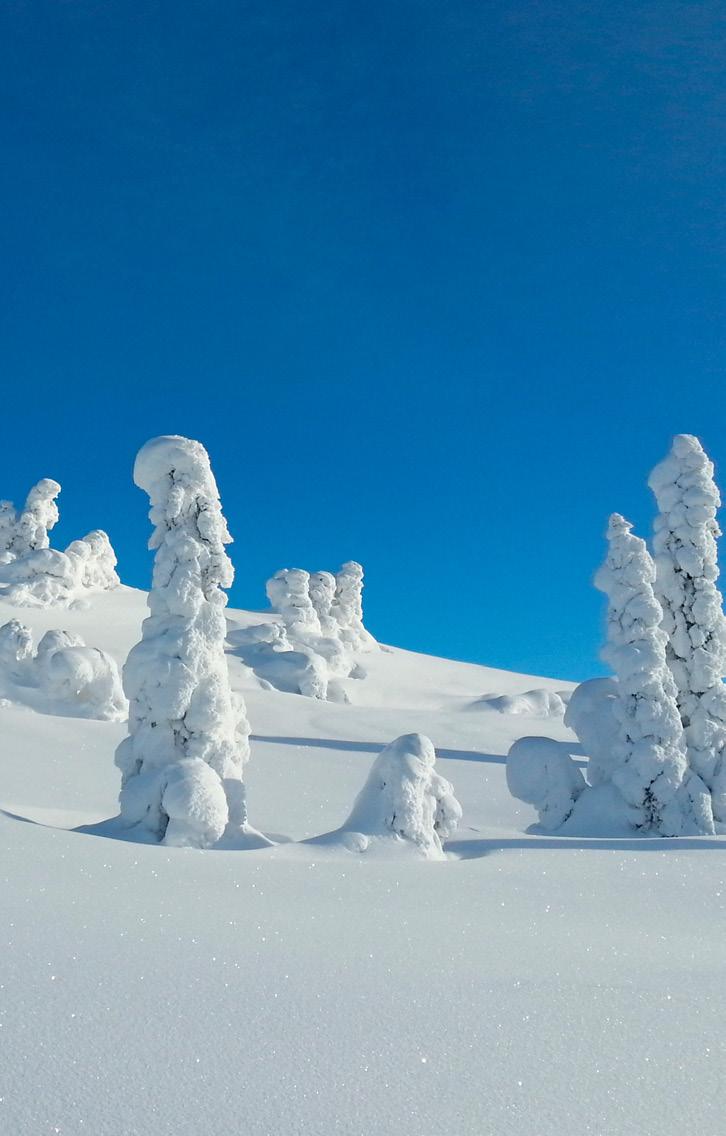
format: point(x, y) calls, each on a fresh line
point(526, 985)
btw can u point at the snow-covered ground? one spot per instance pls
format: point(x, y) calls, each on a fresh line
point(528, 986)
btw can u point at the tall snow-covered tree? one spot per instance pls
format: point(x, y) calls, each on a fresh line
point(686, 573)
point(649, 769)
point(347, 607)
point(182, 762)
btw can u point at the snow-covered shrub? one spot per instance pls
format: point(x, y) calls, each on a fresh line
point(533, 704)
point(649, 766)
point(541, 772)
point(45, 577)
point(176, 678)
point(62, 676)
point(347, 607)
point(41, 578)
point(686, 573)
point(591, 716)
point(405, 800)
point(16, 648)
point(85, 677)
point(36, 519)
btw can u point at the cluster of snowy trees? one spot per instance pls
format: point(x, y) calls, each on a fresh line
point(37, 575)
point(319, 637)
point(183, 760)
point(62, 675)
point(656, 733)
point(321, 630)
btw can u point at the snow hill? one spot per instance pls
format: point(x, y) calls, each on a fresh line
point(528, 986)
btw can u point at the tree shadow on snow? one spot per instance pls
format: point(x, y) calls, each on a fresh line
point(376, 747)
point(475, 849)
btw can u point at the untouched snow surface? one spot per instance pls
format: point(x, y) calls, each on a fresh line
point(527, 986)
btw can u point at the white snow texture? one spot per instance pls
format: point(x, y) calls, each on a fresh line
point(182, 762)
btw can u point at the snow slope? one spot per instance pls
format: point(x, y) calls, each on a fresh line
point(528, 986)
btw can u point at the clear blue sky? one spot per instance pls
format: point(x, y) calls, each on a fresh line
point(434, 283)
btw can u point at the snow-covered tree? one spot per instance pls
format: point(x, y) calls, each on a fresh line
point(8, 521)
point(686, 573)
point(37, 518)
point(289, 593)
point(182, 762)
point(322, 595)
point(650, 769)
point(96, 569)
point(406, 800)
point(347, 607)
point(542, 773)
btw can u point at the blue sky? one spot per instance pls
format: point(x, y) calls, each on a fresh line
point(434, 284)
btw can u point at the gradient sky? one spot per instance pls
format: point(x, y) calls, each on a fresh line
point(434, 282)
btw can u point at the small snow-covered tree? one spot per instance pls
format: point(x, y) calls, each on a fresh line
point(686, 585)
point(650, 769)
point(347, 607)
point(405, 799)
point(289, 593)
point(182, 762)
point(37, 518)
point(97, 567)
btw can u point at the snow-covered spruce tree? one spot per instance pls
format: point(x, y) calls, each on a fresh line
point(649, 770)
point(405, 800)
point(37, 518)
point(347, 607)
point(182, 762)
point(686, 573)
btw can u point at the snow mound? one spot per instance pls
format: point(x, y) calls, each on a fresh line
point(542, 772)
point(63, 676)
point(45, 577)
point(532, 704)
point(404, 804)
point(591, 716)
